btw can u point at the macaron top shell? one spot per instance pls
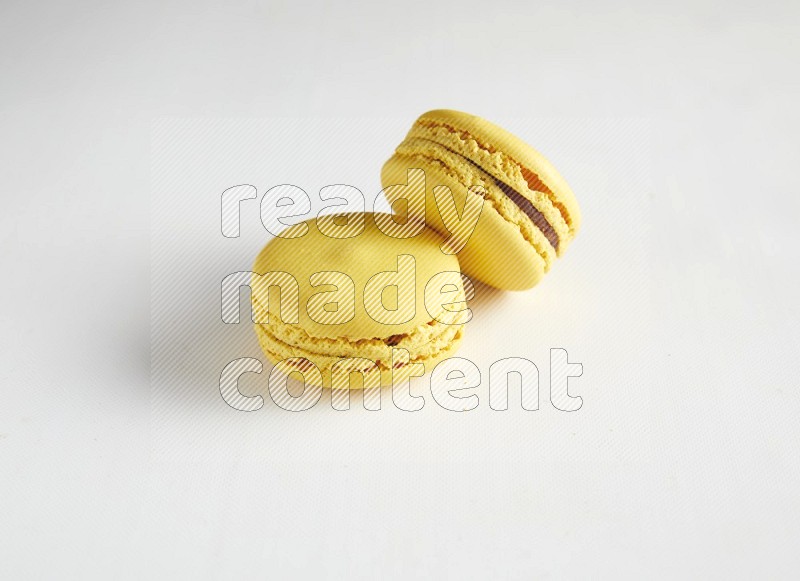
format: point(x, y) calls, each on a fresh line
point(360, 258)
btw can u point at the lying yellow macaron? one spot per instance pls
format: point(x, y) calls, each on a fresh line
point(341, 296)
point(528, 213)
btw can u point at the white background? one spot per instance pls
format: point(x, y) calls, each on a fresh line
point(675, 124)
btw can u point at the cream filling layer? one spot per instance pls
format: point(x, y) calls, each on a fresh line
point(419, 151)
point(525, 182)
point(285, 341)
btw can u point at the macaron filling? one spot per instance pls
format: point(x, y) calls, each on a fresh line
point(531, 212)
point(531, 178)
point(419, 151)
point(523, 203)
point(424, 343)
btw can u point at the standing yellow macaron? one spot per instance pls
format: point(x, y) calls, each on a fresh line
point(528, 213)
point(354, 299)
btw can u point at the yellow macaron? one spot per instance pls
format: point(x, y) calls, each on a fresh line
point(528, 213)
point(354, 299)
